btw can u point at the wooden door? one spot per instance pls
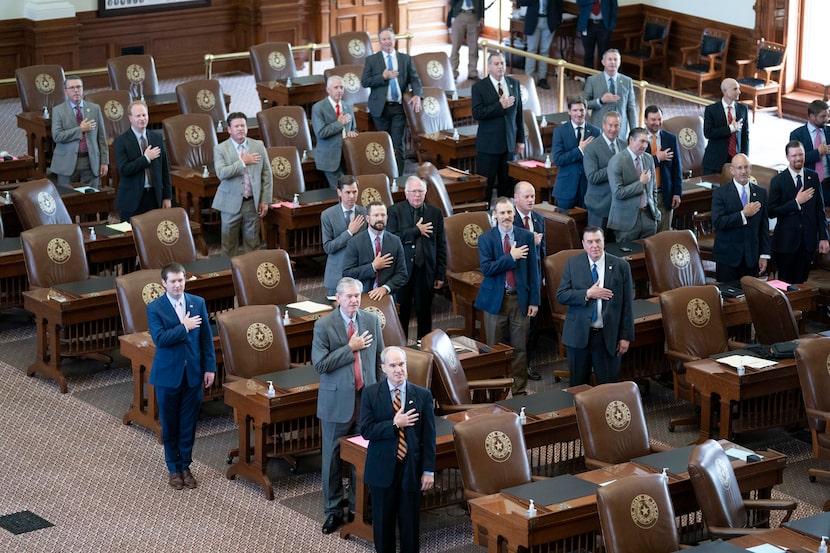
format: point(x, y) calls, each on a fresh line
point(361, 15)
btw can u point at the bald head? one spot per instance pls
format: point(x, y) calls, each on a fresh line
point(741, 169)
point(730, 89)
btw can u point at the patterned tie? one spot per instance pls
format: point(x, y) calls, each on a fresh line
point(595, 9)
point(180, 311)
point(396, 405)
point(654, 150)
point(348, 216)
point(733, 137)
point(578, 135)
point(82, 147)
point(246, 178)
point(527, 222)
point(820, 164)
point(611, 87)
point(147, 173)
point(394, 95)
point(614, 147)
point(377, 253)
point(501, 92)
point(744, 199)
point(595, 276)
point(638, 165)
point(358, 377)
point(511, 276)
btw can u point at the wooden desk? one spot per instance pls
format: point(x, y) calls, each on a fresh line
point(304, 91)
point(459, 153)
point(534, 172)
point(462, 107)
point(297, 229)
point(191, 188)
point(781, 537)
point(695, 199)
point(38, 138)
point(20, 169)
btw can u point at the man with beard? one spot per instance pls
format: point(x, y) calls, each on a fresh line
point(668, 169)
point(815, 137)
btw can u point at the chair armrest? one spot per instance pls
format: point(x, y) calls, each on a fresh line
point(689, 53)
point(629, 37)
point(743, 62)
point(713, 59)
point(490, 383)
point(470, 494)
point(471, 206)
point(451, 408)
point(798, 314)
point(772, 505)
point(680, 356)
point(726, 533)
point(591, 463)
point(657, 447)
point(819, 419)
point(702, 216)
point(733, 345)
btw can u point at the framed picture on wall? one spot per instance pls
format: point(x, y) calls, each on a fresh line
point(111, 8)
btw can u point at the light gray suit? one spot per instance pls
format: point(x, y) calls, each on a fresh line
point(229, 197)
point(596, 86)
point(335, 239)
point(598, 197)
point(67, 136)
point(625, 216)
point(328, 154)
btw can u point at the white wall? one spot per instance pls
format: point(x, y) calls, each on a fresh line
point(17, 9)
point(732, 12)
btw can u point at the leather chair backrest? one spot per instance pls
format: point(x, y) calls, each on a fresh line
point(134, 292)
point(253, 341)
point(690, 139)
point(436, 189)
point(263, 277)
point(114, 104)
point(533, 143)
point(286, 171)
point(54, 254)
point(285, 126)
point(762, 176)
point(353, 91)
point(716, 486)
point(812, 357)
point(136, 74)
point(351, 48)
point(771, 312)
point(462, 232)
point(486, 470)
point(637, 516)
point(203, 96)
point(387, 314)
point(673, 260)
point(374, 188)
point(453, 378)
point(434, 69)
point(693, 321)
point(530, 98)
point(162, 236)
point(39, 86)
point(560, 230)
point(39, 203)
point(612, 423)
point(190, 140)
point(369, 153)
point(272, 61)
point(419, 367)
point(434, 115)
point(553, 265)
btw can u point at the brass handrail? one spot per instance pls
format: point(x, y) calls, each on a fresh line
point(78, 73)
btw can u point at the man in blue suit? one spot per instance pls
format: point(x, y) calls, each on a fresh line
point(339, 223)
point(184, 363)
point(599, 325)
point(726, 126)
point(815, 137)
point(510, 292)
point(396, 417)
point(569, 142)
point(668, 168)
point(332, 120)
point(596, 20)
point(741, 224)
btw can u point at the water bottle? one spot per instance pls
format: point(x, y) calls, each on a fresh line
point(531, 510)
point(219, 126)
point(455, 134)
point(45, 112)
point(455, 95)
point(286, 319)
point(822, 548)
point(8, 198)
point(305, 156)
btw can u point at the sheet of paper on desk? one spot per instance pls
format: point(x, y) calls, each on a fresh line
point(464, 345)
point(741, 454)
point(746, 361)
point(704, 184)
point(121, 227)
point(531, 163)
point(766, 548)
point(85, 189)
point(310, 306)
point(359, 440)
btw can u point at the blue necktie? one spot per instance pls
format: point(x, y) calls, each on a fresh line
point(393, 84)
point(744, 199)
point(798, 183)
point(595, 276)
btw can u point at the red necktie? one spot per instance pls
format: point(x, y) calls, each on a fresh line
point(595, 8)
point(337, 109)
point(511, 277)
point(358, 378)
point(820, 164)
point(527, 222)
point(396, 405)
point(501, 92)
point(79, 118)
point(733, 137)
point(377, 253)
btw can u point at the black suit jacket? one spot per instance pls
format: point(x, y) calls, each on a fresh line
point(499, 129)
point(553, 11)
point(357, 261)
point(794, 224)
point(734, 240)
point(402, 224)
point(671, 171)
point(538, 226)
point(716, 129)
point(373, 78)
point(131, 163)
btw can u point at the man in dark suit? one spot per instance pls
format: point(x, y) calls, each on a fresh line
point(541, 21)
point(376, 257)
point(497, 106)
point(726, 126)
point(332, 120)
point(595, 161)
point(143, 168)
point(668, 168)
point(420, 227)
point(596, 20)
point(633, 214)
point(396, 417)
point(183, 364)
point(599, 326)
point(339, 223)
point(390, 74)
point(465, 19)
point(510, 292)
point(345, 352)
point(795, 199)
point(814, 135)
point(741, 223)
point(569, 143)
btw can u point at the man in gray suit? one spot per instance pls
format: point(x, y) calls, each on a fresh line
point(595, 160)
point(245, 192)
point(346, 352)
point(634, 212)
point(340, 222)
point(81, 152)
point(609, 91)
point(332, 120)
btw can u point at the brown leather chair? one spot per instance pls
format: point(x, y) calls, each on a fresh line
point(454, 394)
point(534, 148)
point(650, 46)
point(726, 513)
point(351, 48)
point(484, 470)
point(39, 203)
point(353, 91)
point(40, 86)
point(162, 236)
point(253, 341)
point(272, 61)
point(434, 69)
point(54, 254)
point(553, 265)
point(434, 116)
point(190, 140)
point(287, 171)
point(530, 97)
point(462, 233)
point(419, 367)
point(705, 61)
point(136, 74)
point(560, 229)
point(762, 76)
point(369, 153)
point(811, 359)
point(762, 176)
point(637, 516)
point(691, 141)
point(387, 314)
point(285, 126)
point(673, 260)
point(437, 193)
point(374, 188)
point(203, 96)
point(263, 277)
point(114, 104)
point(134, 292)
point(772, 315)
point(612, 424)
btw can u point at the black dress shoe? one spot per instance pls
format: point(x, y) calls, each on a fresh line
point(350, 517)
point(333, 522)
point(543, 83)
point(533, 375)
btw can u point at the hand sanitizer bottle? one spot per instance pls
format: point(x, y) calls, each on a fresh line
point(544, 122)
point(286, 318)
point(92, 234)
point(288, 82)
point(219, 126)
point(271, 392)
point(455, 134)
point(45, 112)
point(305, 156)
point(548, 163)
point(531, 510)
point(205, 172)
point(822, 548)
point(296, 200)
point(522, 416)
point(8, 198)
point(455, 95)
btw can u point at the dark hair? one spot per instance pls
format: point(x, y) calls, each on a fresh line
point(792, 144)
point(652, 109)
point(576, 100)
point(236, 115)
point(345, 180)
point(637, 131)
point(590, 228)
point(172, 267)
point(370, 205)
point(814, 107)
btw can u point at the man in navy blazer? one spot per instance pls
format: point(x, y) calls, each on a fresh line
point(599, 325)
point(596, 20)
point(569, 142)
point(510, 292)
point(143, 173)
point(389, 74)
point(400, 460)
point(814, 135)
point(668, 176)
point(741, 224)
point(727, 137)
point(339, 224)
point(332, 121)
point(183, 364)
point(795, 199)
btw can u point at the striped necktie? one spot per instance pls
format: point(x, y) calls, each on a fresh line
point(396, 404)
